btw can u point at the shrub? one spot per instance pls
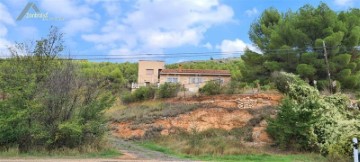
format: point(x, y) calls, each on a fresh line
point(211, 88)
point(309, 121)
point(69, 134)
point(144, 93)
point(140, 94)
point(168, 90)
point(128, 97)
point(291, 127)
point(234, 87)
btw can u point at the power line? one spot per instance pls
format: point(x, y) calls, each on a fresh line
point(180, 55)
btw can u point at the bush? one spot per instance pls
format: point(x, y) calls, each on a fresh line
point(234, 87)
point(128, 97)
point(168, 90)
point(69, 134)
point(140, 94)
point(309, 121)
point(211, 88)
point(291, 127)
point(144, 93)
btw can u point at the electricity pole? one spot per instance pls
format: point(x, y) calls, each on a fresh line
point(327, 67)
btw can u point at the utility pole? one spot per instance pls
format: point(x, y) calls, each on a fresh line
point(355, 149)
point(327, 67)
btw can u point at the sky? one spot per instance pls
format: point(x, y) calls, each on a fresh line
point(132, 30)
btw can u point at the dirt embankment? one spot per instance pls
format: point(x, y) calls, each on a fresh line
point(221, 111)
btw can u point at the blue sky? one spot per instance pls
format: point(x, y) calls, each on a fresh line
point(131, 29)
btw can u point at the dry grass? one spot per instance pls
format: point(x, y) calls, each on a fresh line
point(147, 111)
point(209, 142)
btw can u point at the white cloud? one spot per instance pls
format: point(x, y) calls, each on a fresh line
point(160, 40)
point(252, 12)
point(237, 45)
point(112, 7)
point(79, 25)
point(4, 44)
point(5, 20)
point(28, 32)
point(344, 2)
point(3, 30)
point(155, 25)
point(5, 17)
point(208, 46)
point(79, 17)
point(67, 9)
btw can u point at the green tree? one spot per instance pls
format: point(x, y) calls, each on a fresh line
point(49, 104)
point(293, 42)
point(306, 71)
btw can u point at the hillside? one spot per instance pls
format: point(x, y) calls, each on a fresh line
point(226, 112)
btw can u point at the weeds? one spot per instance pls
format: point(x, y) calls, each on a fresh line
point(63, 153)
point(254, 157)
point(209, 142)
point(147, 112)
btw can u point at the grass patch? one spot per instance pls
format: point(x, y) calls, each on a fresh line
point(148, 111)
point(61, 153)
point(242, 157)
point(208, 142)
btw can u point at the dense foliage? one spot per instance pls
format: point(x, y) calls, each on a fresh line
point(309, 121)
point(117, 76)
point(140, 94)
point(211, 88)
point(293, 42)
point(168, 90)
point(47, 103)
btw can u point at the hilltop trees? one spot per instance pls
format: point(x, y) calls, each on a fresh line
point(293, 42)
point(118, 76)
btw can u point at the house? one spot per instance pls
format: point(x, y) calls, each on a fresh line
point(193, 79)
point(154, 73)
point(148, 73)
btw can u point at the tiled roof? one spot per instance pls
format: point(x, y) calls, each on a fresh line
point(195, 71)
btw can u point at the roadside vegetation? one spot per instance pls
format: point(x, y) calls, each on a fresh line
point(106, 152)
point(47, 104)
point(248, 157)
point(313, 122)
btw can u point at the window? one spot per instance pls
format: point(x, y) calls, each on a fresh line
point(195, 80)
point(149, 71)
point(172, 80)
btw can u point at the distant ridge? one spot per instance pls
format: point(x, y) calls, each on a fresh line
point(221, 60)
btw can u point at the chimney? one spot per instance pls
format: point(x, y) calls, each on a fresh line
point(180, 68)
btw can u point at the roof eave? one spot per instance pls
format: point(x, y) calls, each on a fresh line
point(196, 73)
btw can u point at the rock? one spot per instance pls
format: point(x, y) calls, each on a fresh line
point(260, 135)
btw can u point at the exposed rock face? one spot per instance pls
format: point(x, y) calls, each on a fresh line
point(221, 112)
point(205, 118)
point(259, 133)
